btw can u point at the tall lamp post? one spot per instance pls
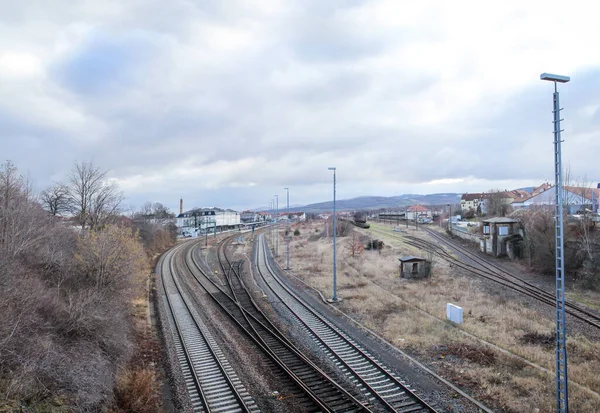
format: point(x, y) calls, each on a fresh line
point(562, 390)
point(277, 225)
point(287, 253)
point(334, 238)
point(270, 223)
point(450, 219)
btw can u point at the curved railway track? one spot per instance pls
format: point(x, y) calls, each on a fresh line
point(315, 390)
point(497, 274)
point(375, 380)
point(211, 382)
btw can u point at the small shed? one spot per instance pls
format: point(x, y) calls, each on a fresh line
point(414, 267)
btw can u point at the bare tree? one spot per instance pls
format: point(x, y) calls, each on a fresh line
point(94, 201)
point(55, 199)
point(496, 203)
point(354, 244)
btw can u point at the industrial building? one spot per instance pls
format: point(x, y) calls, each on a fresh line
point(200, 220)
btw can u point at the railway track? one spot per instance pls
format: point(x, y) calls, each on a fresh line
point(211, 382)
point(497, 274)
point(375, 380)
point(315, 390)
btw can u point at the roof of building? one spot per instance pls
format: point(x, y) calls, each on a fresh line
point(470, 197)
point(198, 210)
point(587, 193)
point(501, 220)
point(417, 208)
point(411, 258)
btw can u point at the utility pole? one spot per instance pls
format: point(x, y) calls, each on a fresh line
point(562, 388)
point(334, 299)
point(271, 223)
point(287, 253)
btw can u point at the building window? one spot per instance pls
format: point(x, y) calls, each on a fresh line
point(415, 268)
point(486, 229)
point(503, 230)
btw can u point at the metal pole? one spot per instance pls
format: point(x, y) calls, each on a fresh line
point(334, 239)
point(277, 225)
point(270, 225)
point(287, 253)
point(562, 394)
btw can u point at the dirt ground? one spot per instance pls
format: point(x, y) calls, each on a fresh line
point(503, 353)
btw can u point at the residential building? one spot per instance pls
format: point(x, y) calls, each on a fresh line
point(575, 199)
point(417, 212)
point(470, 201)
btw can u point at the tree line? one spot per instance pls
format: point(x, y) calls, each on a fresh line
point(66, 292)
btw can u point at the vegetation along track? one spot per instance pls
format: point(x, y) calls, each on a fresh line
point(211, 382)
point(498, 275)
point(315, 391)
point(375, 380)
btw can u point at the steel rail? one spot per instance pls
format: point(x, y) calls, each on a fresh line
point(498, 275)
point(379, 382)
point(307, 376)
point(217, 389)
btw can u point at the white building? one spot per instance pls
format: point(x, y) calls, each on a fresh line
point(575, 199)
point(203, 219)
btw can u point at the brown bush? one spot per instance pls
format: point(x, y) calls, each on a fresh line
point(65, 319)
point(136, 391)
point(475, 353)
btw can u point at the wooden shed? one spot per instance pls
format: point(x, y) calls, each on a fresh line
point(414, 267)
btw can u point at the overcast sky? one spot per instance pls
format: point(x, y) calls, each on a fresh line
point(226, 102)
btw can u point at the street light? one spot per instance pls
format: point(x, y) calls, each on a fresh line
point(277, 225)
point(334, 238)
point(562, 389)
point(287, 260)
point(270, 223)
point(450, 218)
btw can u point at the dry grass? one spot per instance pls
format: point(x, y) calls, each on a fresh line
point(137, 391)
point(411, 314)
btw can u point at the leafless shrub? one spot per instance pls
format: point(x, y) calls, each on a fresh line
point(136, 391)
point(64, 303)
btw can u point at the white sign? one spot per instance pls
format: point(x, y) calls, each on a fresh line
point(454, 313)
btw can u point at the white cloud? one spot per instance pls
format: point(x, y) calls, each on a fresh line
point(227, 103)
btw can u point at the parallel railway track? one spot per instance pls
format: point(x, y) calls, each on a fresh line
point(495, 273)
point(375, 380)
point(211, 382)
point(315, 390)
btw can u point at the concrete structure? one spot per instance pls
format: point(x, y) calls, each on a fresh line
point(199, 220)
point(499, 236)
point(414, 267)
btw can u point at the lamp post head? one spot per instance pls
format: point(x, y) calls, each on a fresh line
point(331, 169)
point(554, 78)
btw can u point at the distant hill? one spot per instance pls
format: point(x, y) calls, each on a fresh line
point(379, 202)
